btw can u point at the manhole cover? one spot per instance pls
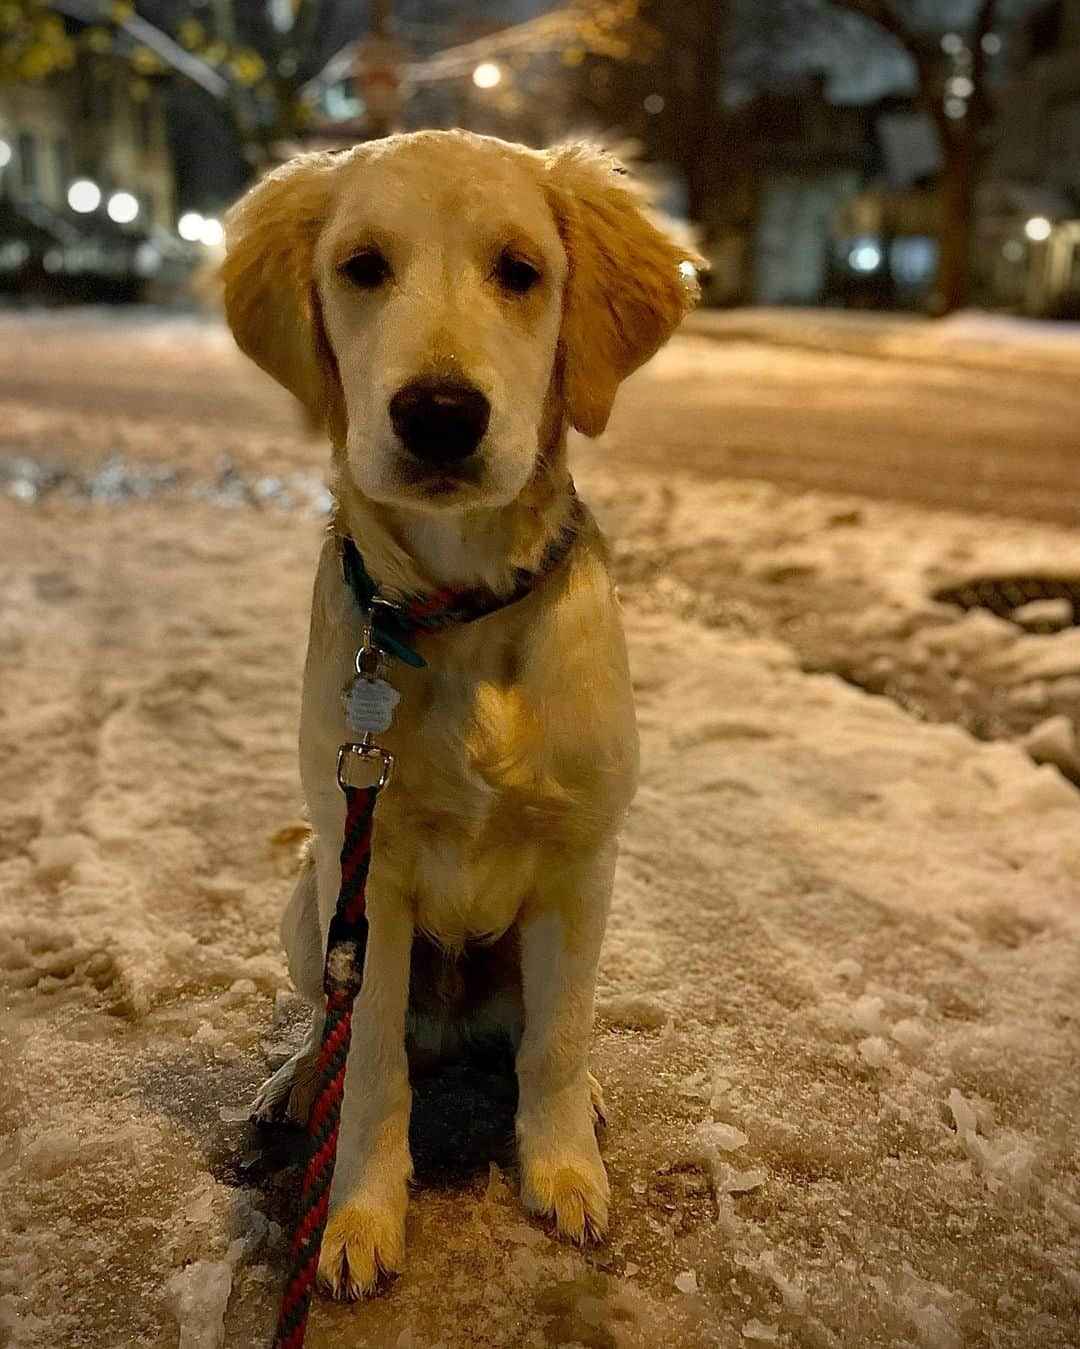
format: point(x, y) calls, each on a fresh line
point(1003, 595)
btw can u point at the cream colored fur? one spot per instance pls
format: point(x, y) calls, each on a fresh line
point(516, 748)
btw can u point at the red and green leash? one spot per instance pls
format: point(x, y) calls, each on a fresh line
point(342, 978)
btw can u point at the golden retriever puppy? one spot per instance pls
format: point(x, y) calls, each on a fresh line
point(446, 305)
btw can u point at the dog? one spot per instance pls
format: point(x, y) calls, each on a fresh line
point(445, 306)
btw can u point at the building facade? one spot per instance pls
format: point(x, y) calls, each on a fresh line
point(1028, 244)
point(96, 123)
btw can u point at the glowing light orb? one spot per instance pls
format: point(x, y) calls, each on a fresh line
point(487, 75)
point(122, 207)
point(84, 196)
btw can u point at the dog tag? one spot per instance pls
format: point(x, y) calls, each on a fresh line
point(369, 705)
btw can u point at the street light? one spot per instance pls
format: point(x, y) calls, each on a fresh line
point(122, 207)
point(1038, 229)
point(84, 196)
point(866, 256)
point(5, 154)
point(487, 75)
point(211, 234)
point(190, 227)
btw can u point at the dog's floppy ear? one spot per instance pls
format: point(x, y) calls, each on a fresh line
point(628, 286)
point(269, 279)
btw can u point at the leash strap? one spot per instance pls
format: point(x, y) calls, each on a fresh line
point(342, 977)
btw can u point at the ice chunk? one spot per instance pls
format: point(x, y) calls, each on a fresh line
point(962, 1113)
point(695, 1087)
point(1044, 615)
point(874, 1051)
point(848, 970)
point(867, 1014)
point(720, 1092)
point(741, 1182)
point(198, 1297)
point(636, 1011)
point(793, 1294)
point(911, 1036)
point(1006, 1161)
point(1053, 741)
point(686, 1282)
point(760, 1332)
point(723, 1136)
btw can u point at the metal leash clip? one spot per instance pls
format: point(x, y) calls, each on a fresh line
point(363, 750)
point(369, 703)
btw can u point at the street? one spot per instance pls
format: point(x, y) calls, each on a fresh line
point(836, 1017)
point(980, 437)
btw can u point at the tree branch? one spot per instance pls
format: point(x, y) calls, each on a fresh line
point(174, 56)
point(923, 53)
point(984, 23)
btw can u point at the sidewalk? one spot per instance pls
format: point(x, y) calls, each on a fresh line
point(835, 1011)
point(970, 337)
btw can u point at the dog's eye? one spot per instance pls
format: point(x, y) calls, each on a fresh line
point(515, 273)
point(367, 269)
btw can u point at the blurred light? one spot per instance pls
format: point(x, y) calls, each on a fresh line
point(13, 253)
point(991, 44)
point(487, 75)
point(84, 196)
point(955, 108)
point(952, 44)
point(1038, 228)
point(122, 207)
point(654, 103)
point(53, 260)
point(1013, 250)
point(148, 258)
point(960, 86)
point(190, 227)
point(211, 234)
point(687, 270)
point(866, 256)
point(913, 259)
point(5, 154)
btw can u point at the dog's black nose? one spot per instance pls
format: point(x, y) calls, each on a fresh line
point(440, 420)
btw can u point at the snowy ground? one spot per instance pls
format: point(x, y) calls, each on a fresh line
point(838, 1012)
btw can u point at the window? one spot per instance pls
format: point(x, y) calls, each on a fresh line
point(64, 174)
point(1045, 30)
point(144, 124)
point(28, 163)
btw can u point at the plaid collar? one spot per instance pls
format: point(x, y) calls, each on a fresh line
point(394, 622)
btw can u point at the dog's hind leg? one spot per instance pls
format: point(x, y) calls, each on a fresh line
point(286, 1097)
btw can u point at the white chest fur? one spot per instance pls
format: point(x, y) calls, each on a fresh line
point(515, 745)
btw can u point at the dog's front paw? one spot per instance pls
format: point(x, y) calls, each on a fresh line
point(570, 1185)
point(364, 1242)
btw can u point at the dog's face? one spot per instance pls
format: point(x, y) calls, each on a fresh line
point(440, 273)
point(430, 297)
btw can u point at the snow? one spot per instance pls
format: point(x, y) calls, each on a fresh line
point(968, 336)
point(836, 1009)
point(1044, 615)
point(1053, 741)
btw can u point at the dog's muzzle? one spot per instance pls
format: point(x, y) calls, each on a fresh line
point(440, 421)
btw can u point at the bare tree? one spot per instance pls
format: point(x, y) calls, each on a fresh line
point(951, 62)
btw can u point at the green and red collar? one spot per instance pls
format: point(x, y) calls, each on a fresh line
point(394, 622)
